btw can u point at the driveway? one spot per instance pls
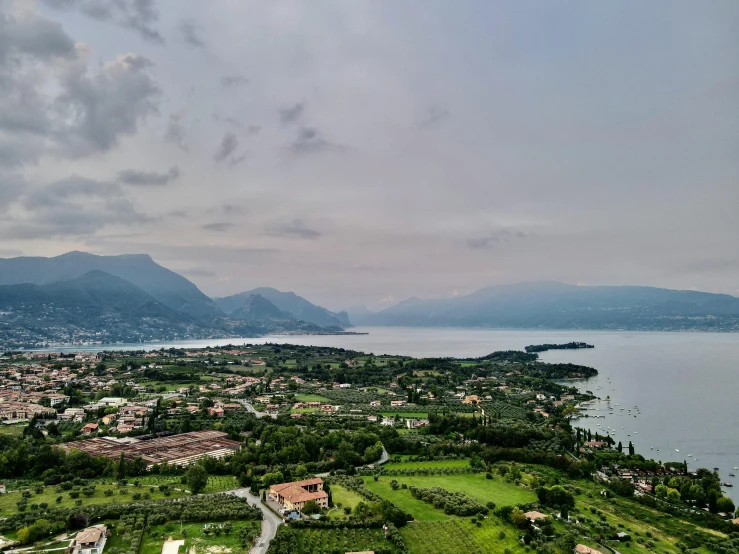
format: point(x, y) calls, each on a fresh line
point(270, 523)
point(251, 409)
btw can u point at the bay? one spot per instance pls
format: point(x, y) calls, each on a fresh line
point(684, 384)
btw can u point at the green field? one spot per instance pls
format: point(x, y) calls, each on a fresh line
point(434, 464)
point(474, 485)
point(345, 497)
point(12, 430)
point(197, 541)
point(317, 541)
point(460, 536)
point(413, 415)
point(303, 397)
point(49, 495)
point(216, 483)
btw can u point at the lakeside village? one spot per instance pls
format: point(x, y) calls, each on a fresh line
point(134, 452)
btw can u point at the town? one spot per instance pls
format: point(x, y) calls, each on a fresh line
point(310, 449)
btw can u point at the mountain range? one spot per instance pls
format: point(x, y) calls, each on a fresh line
point(548, 305)
point(80, 297)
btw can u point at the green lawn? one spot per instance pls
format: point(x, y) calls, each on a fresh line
point(216, 483)
point(428, 465)
point(49, 495)
point(12, 430)
point(413, 415)
point(303, 397)
point(345, 497)
point(474, 485)
point(197, 541)
point(460, 536)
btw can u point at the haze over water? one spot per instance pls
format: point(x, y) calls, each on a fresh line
point(685, 384)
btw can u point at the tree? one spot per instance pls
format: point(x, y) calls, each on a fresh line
point(673, 495)
point(713, 501)
point(197, 478)
point(660, 491)
point(631, 448)
point(698, 494)
point(310, 507)
point(519, 518)
point(725, 504)
point(620, 447)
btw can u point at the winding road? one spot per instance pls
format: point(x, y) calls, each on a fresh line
point(270, 523)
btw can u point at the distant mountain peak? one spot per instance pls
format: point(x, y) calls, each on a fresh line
point(289, 303)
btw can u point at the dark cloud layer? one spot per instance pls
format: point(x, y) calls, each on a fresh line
point(148, 178)
point(74, 206)
point(79, 111)
point(218, 227)
point(524, 146)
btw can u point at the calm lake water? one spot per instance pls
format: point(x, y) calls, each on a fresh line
point(684, 384)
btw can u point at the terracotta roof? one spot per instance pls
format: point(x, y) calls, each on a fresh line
point(533, 516)
point(91, 534)
point(582, 549)
point(299, 494)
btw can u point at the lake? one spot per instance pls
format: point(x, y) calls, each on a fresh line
point(684, 384)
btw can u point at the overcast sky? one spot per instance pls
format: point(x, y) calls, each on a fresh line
point(360, 152)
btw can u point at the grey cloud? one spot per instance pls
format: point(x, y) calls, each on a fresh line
point(434, 115)
point(293, 229)
point(175, 132)
point(73, 206)
point(308, 141)
point(30, 46)
point(501, 236)
point(231, 209)
point(227, 148)
point(33, 35)
point(233, 80)
point(219, 227)
point(11, 188)
point(138, 15)
point(97, 109)
point(291, 114)
point(136, 177)
point(190, 34)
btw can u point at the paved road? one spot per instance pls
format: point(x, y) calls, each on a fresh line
point(251, 409)
point(270, 523)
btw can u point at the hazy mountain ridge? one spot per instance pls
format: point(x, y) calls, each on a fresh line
point(290, 303)
point(80, 297)
point(95, 306)
point(166, 286)
point(561, 306)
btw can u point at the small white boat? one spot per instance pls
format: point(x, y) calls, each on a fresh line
point(676, 450)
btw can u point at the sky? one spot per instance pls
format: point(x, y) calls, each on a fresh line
point(363, 152)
